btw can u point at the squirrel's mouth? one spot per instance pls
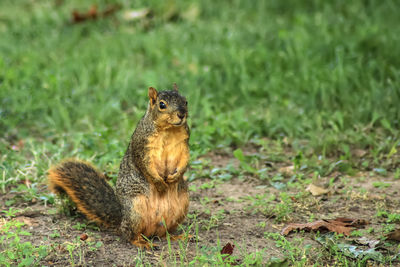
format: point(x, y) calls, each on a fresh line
point(179, 123)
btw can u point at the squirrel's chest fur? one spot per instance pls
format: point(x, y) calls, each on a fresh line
point(161, 212)
point(168, 150)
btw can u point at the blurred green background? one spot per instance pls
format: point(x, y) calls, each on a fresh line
point(321, 74)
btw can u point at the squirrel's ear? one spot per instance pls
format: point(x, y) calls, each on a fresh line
point(152, 95)
point(175, 87)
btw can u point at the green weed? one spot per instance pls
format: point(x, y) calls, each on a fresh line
point(14, 251)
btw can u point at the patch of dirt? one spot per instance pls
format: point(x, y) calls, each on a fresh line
point(234, 221)
point(220, 213)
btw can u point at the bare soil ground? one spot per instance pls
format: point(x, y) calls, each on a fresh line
point(221, 212)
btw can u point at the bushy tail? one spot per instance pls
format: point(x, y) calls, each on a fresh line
point(88, 189)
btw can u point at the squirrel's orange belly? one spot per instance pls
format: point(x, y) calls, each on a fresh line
point(169, 162)
point(160, 213)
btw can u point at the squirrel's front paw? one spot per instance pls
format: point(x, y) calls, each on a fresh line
point(171, 178)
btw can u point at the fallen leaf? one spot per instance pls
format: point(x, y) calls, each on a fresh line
point(227, 250)
point(288, 170)
point(316, 190)
point(132, 15)
point(90, 14)
point(367, 242)
point(394, 235)
point(350, 222)
point(359, 153)
point(317, 225)
point(84, 236)
point(93, 13)
point(338, 225)
point(355, 252)
point(27, 221)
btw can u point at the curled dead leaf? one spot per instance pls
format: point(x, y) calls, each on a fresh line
point(394, 235)
point(93, 13)
point(227, 250)
point(350, 222)
point(316, 190)
point(84, 236)
point(90, 14)
point(288, 170)
point(339, 225)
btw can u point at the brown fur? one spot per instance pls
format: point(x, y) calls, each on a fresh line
point(168, 156)
point(75, 177)
point(151, 194)
point(168, 152)
point(161, 212)
point(56, 181)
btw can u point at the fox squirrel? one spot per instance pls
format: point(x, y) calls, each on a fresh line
point(151, 195)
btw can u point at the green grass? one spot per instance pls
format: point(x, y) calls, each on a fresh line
point(320, 76)
point(327, 72)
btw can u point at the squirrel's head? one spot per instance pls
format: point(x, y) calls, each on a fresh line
point(167, 108)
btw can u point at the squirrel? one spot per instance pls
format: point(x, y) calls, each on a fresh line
point(151, 195)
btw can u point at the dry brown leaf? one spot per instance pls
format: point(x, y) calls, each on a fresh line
point(93, 13)
point(359, 153)
point(227, 250)
point(288, 170)
point(316, 190)
point(349, 221)
point(84, 236)
point(338, 225)
point(80, 17)
point(317, 225)
point(27, 221)
point(394, 235)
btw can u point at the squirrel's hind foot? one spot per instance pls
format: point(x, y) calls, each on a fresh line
point(142, 243)
point(182, 237)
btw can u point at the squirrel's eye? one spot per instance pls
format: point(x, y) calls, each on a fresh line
point(186, 103)
point(163, 105)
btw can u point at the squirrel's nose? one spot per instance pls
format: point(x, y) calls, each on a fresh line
point(181, 115)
